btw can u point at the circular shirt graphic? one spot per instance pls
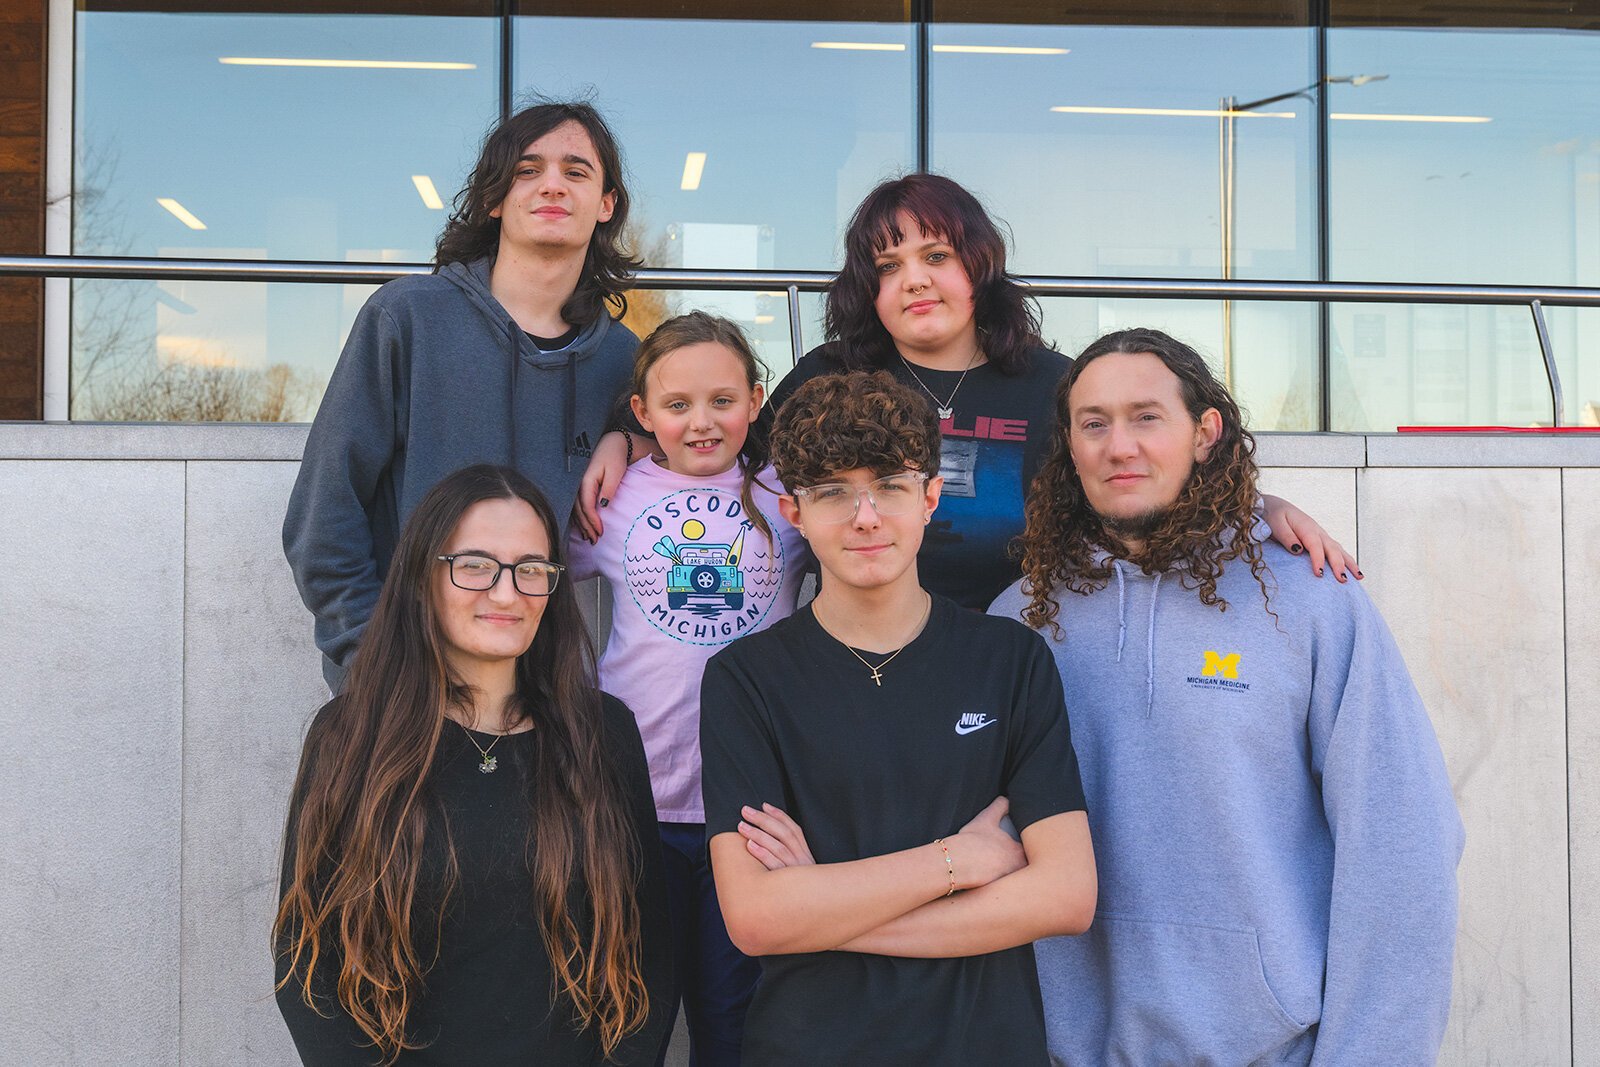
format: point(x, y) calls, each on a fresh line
point(698, 568)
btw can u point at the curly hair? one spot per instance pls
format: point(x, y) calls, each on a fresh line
point(473, 234)
point(1006, 316)
point(844, 422)
point(1210, 524)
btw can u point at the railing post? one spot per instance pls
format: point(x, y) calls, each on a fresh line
point(795, 341)
point(1557, 406)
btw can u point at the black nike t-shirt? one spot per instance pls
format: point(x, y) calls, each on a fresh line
point(991, 448)
point(970, 710)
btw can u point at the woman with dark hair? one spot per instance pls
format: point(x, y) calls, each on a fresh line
point(471, 872)
point(924, 294)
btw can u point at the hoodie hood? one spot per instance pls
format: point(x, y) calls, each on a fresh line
point(473, 280)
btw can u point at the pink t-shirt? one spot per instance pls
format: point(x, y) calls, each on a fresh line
point(688, 574)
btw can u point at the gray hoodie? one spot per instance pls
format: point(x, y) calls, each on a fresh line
point(435, 376)
point(1273, 827)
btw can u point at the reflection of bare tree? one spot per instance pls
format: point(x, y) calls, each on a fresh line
point(117, 375)
point(192, 392)
point(649, 308)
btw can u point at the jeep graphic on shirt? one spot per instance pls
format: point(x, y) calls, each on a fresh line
point(698, 568)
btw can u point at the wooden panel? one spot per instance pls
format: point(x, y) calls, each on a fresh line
point(22, 45)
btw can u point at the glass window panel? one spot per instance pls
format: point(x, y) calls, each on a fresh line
point(1265, 350)
point(763, 316)
point(275, 161)
point(1129, 12)
point(1445, 365)
point(1491, 174)
point(758, 158)
point(204, 351)
point(1129, 180)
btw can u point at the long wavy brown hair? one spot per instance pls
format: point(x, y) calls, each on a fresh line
point(364, 812)
point(1210, 524)
point(472, 233)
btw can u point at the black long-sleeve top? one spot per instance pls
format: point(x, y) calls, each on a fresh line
point(490, 998)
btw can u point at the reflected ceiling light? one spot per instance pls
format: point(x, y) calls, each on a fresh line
point(999, 50)
point(358, 64)
point(694, 165)
point(1357, 117)
point(858, 46)
point(1181, 112)
point(766, 320)
point(425, 189)
point(181, 213)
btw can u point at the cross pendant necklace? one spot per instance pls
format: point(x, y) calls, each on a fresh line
point(877, 670)
point(877, 677)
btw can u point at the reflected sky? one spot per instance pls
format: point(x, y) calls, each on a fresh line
point(748, 146)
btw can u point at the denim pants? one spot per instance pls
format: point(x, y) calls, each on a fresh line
point(717, 979)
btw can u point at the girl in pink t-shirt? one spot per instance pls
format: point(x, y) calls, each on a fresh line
point(696, 555)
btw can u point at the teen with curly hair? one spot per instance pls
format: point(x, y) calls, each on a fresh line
point(1276, 830)
point(897, 729)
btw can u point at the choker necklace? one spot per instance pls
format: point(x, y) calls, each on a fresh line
point(947, 409)
point(489, 762)
point(877, 671)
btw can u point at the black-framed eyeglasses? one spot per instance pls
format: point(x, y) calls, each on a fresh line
point(531, 577)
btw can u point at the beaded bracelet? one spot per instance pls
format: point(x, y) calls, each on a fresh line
point(950, 865)
point(628, 437)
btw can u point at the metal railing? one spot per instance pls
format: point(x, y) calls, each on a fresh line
point(793, 282)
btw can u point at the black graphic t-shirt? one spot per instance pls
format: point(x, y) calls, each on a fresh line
point(970, 710)
point(992, 447)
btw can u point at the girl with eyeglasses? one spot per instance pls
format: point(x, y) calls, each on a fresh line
point(471, 871)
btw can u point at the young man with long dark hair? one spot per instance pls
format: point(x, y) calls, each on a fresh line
point(1276, 830)
point(507, 353)
point(858, 759)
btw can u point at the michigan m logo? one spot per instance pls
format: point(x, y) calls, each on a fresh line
point(1227, 666)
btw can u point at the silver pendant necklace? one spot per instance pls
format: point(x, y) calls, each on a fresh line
point(947, 407)
point(489, 762)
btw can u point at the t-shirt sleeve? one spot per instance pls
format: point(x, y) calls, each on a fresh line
point(1041, 767)
point(740, 763)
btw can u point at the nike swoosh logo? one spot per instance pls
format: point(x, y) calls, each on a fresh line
point(964, 730)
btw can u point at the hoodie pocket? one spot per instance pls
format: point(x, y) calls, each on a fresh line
point(1175, 993)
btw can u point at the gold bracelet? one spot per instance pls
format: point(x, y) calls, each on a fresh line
point(950, 865)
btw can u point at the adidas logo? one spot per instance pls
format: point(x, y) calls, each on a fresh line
point(581, 445)
point(973, 721)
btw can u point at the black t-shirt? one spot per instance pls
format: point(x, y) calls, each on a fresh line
point(970, 710)
point(490, 996)
point(990, 451)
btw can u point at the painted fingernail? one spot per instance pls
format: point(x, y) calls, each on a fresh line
point(1296, 549)
point(604, 502)
point(1319, 572)
point(1359, 576)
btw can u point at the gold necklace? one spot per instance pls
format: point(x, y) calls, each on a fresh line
point(877, 671)
point(489, 762)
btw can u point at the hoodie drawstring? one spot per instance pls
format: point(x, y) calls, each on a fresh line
point(570, 406)
point(1122, 617)
point(511, 398)
point(1150, 653)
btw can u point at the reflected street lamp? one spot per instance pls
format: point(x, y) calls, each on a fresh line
point(1229, 109)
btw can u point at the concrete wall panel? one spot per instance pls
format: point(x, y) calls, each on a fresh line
point(1466, 566)
point(1581, 499)
point(251, 684)
point(91, 653)
point(1326, 494)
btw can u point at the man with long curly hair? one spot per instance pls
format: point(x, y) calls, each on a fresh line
point(1275, 830)
point(508, 352)
point(895, 727)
